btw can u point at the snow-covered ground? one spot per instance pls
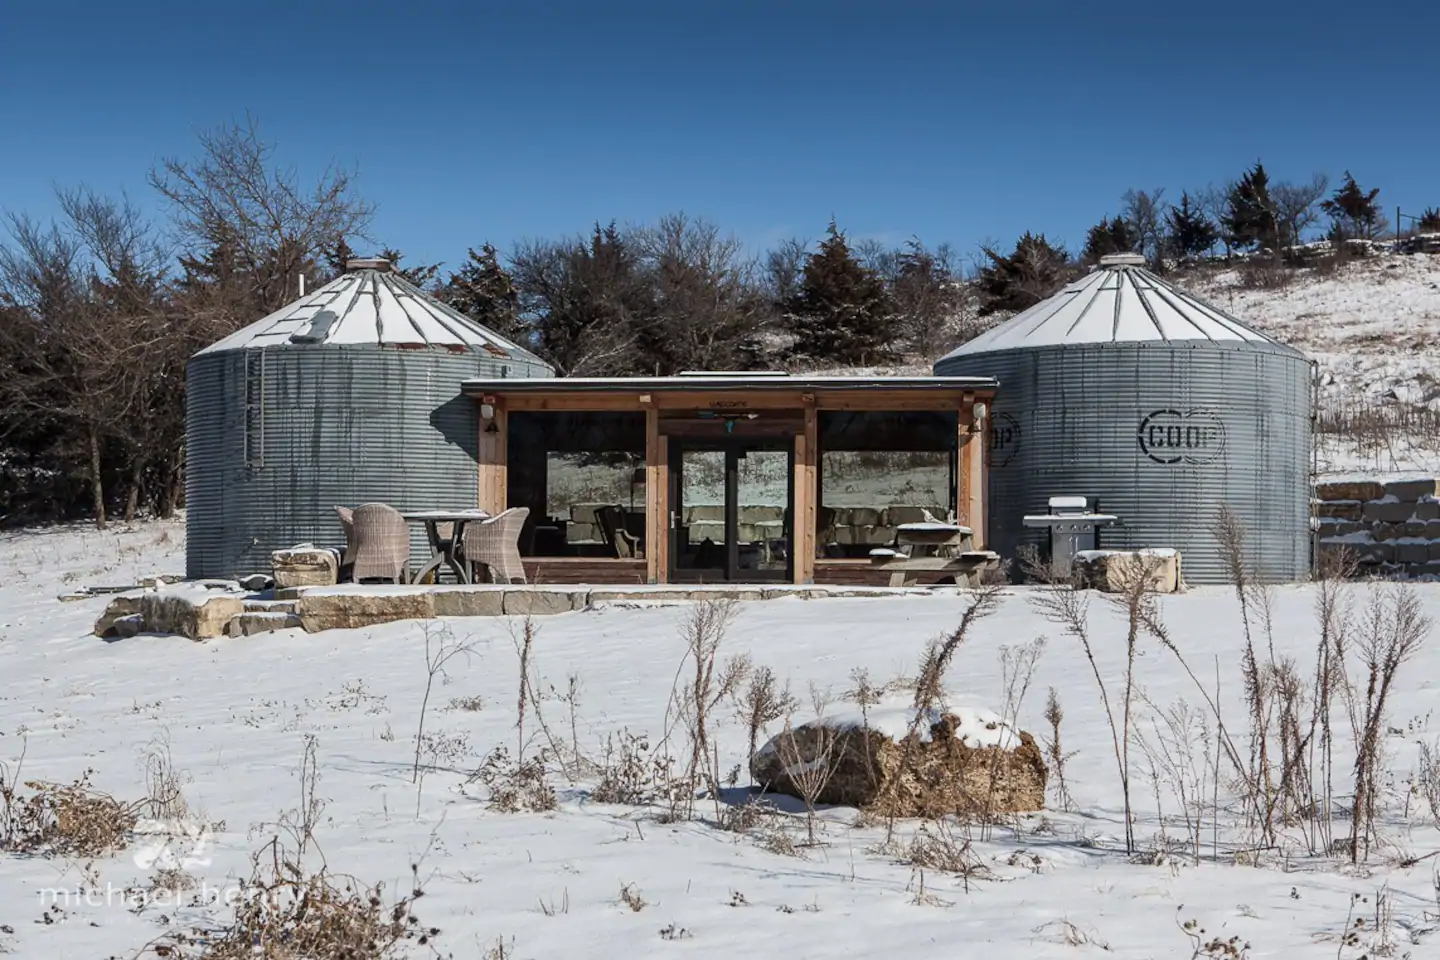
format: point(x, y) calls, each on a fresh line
point(1373, 327)
point(236, 715)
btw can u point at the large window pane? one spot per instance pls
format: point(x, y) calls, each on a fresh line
point(583, 477)
point(879, 470)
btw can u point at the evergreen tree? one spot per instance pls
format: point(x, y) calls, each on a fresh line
point(485, 292)
point(1190, 232)
point(337, 254)
point(1355, 213)
point(1249, 221)
point(422, 277)
point(1034, 271)
point(1107, 237)
point(1429, 221)
point(842, 313)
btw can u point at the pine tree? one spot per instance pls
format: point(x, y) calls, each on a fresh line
point(484, 291)
point(338, 254)
point(1034, 271)
point(1355, 213)
point(1190, 232)
point(926, 293)
point(1107, 237)
point(1249, 221)
point(1429, 221)
point(842, 312)
point(422, 277)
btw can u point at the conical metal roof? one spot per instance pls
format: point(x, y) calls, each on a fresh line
point(1121, 302)
point(370, 305)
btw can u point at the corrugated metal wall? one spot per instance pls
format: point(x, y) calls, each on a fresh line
point(273, 444)
point(1163, 434)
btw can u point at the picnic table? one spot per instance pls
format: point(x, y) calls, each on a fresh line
point(929, 547)
point(445, 550)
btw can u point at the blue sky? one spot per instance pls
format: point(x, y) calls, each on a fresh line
point(956, 122)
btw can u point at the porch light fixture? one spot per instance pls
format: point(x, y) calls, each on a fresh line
point(981, 411)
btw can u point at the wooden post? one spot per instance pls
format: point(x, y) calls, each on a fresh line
point(657, 500)
point(970, 484)
point(806, 491)
point(494, 462)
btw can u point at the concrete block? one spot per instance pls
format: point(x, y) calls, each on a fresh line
point(1410, 490)
point(1370, 510)
point(1427, 509)
point(705, 513)
point(468, 601)
point(1435, 550)
point(1411, 552)
point(1397, 512)
point(761, 514)
point(1413, 528)
point(1350, 490)
point(1386, 531)
point(1432, 529)
point(1340, 509)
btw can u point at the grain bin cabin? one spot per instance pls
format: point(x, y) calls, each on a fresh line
point(348, 394)
point(1130, 391)
point(713, 477)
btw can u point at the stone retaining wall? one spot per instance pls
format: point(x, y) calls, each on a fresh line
point(1390, 529)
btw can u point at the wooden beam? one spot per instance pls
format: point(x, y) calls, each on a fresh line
point(494, 462)
point(765, 398)
point(806, 492)
point(970, 484)
point(657, 500)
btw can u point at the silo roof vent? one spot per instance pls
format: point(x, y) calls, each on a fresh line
point(1112, 260)
point(367, 263)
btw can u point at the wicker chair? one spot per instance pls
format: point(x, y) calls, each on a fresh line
point(347, 523)
point(382, 544)
point(495, 545)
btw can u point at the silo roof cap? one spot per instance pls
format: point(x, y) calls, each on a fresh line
point(1119, 302)
point(372, 305)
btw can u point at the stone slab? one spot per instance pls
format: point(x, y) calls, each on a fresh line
point(544, 603)
point(1340, 509)
point(189, 611)
point(1410, 490)
point(122, 605)
point(250, 624)
point(1350, 490)
point(469, 602)
point(330, 611)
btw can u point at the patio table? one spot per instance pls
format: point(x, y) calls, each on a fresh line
point(444, 551)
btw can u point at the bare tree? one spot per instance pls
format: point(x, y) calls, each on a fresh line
point(233, 203)
point(708, 305)
point(1214, 202)
point(1144, 214)
point(1297, 206)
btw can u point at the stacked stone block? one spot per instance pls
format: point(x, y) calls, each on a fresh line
point(1390, 529)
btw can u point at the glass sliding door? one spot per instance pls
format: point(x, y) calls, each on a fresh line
point(730, 511)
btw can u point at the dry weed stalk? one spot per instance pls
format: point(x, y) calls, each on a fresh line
point(631, 898)
point(1055, 755)
point(1393, 630)
point(810, 768)
point(929, 699)
point(1180, 753)
point(440, 648)
point(763, 702)
point(695, 697)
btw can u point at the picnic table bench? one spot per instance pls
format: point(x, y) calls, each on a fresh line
point(931, 547)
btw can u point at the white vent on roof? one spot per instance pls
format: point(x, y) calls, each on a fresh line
point(733, 373)
point(1122, 260)
point(367, 263)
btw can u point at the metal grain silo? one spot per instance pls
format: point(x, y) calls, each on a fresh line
point(350, 394)
point(1161, 407)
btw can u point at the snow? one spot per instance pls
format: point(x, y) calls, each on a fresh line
point(235, 715)
point(1158, 552)
point(1373, 328)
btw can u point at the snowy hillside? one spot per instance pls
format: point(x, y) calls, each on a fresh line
point(588, 879)
point(1373, 327)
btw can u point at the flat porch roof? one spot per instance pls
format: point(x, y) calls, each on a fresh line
point(725, 382)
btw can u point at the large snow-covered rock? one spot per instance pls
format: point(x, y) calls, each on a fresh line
point(1116, 571)
point(191, 610)
point(956, 761)
point(123, 605)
